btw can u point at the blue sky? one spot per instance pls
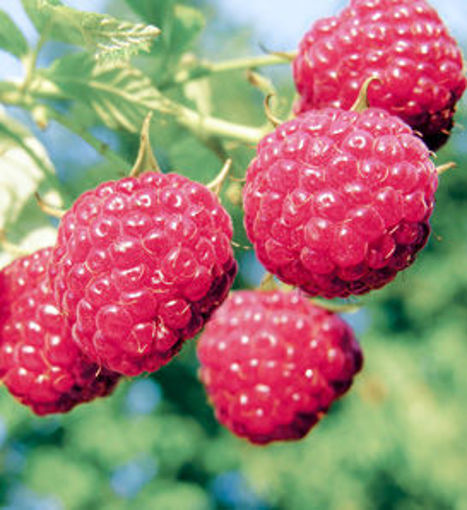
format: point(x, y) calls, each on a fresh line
point(280, 23)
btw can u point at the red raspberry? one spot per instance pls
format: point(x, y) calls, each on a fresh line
point(39, 362)
point(273, 363)
point(405, 44)
point(140, 265)
point(338, 202)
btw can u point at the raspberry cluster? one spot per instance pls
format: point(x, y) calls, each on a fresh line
point(338, 202)
point(139, 266)
point(39, 362)
point(273, 363)
point(404, 44)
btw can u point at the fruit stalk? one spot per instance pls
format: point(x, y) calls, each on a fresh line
point(208, 68)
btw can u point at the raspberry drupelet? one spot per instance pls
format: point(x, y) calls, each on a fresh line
point(139, 266)
point(273, 363)
point(339, 202)
point(39, 362)
point(402, 42)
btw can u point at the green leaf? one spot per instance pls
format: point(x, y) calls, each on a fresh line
point(153, 12)
point(188, 23)
point(180, 23)
point(11, 37)
point(120, 95)
point(104, 35)
point(74, 483)
point(14, 135)
point(26, 168)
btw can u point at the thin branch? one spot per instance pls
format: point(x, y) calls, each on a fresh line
point(332, 306)
point(275, 121)
point(201, 125)
point(444, 168)
point(216, 185)
point(145, 161)
point(209, 68)
point(46, 208)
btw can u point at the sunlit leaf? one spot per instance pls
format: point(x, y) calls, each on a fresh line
point(11, 37)
point(25, 168)
point(104, 35)
point(120, 95)
point(188, 23)
point(180, 23)
point(153, 12)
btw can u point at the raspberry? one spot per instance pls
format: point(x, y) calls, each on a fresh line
point(338, 202)
point(402, 42)
point(39, 362)
point(273, 363)
point(140, 265)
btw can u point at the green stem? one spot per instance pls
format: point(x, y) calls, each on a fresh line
point(12, 94)
point(201, 125)
point(208, 68)
point(337, 307)
point(30, 62)
point(206, 126)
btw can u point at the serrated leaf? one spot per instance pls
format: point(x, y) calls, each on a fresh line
point(121, 95)
point(180, 23)
point(11, 37)
point(101, 34)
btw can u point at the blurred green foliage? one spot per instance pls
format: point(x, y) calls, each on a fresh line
point(395, 442)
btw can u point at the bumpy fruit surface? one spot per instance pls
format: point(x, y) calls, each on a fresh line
point(338, 202)
point(273, 363)
point(402, 42)
point(140, 265)
point(39, 362)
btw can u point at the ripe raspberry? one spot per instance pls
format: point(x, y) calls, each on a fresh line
point(273, 363)
point(338, 202)
point(39, 362)
point(140, 265)
point(405, 44)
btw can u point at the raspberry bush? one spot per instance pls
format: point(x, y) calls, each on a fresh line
point(115, 259)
